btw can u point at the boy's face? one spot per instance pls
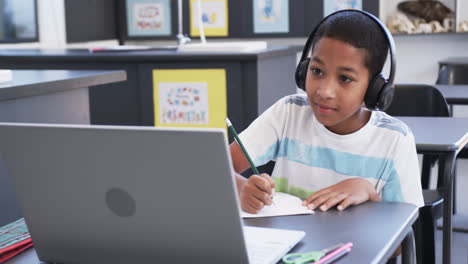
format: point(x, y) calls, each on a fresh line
point(336, 84)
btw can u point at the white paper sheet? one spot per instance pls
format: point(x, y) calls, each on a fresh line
point(284, 204)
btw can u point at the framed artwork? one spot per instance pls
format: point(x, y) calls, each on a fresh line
point(330, 6)
point(271, 16)
point(214, 16)
point(148, 18)
point(190, 97)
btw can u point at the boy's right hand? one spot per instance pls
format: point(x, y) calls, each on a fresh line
point(256, 192)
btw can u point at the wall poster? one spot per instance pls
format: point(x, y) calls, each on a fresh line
point(271, 16)
point(190, 97)
point(214, 16)
point(148, 18)
point(330, 6)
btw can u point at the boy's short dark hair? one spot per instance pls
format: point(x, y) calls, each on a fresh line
point(361, 32)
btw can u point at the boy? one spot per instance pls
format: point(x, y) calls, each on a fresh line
point(330, 150)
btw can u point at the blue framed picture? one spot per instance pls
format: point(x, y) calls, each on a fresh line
point(271, 16)
point(148, 18)
point(330, 6)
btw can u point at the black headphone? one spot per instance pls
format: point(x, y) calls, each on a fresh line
point(379, 94)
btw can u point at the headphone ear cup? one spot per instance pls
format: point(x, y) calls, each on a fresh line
point(386, 97)
point(372, 97)
point(301, 73)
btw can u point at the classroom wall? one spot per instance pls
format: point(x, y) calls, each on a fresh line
point(418, 58)
point(418, 55)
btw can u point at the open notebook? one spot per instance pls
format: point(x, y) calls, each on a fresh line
point(269, 245)
point(284, 204)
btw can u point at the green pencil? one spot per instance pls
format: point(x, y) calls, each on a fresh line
point(239, 142)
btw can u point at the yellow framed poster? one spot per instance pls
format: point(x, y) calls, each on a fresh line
point(214, 16)
point(190, 97)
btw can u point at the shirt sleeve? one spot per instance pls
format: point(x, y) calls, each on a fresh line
point(407, 167)
point(262, 137)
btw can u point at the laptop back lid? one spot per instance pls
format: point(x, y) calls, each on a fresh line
point(109, 194)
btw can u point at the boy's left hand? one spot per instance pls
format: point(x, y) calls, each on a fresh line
point(345, 193)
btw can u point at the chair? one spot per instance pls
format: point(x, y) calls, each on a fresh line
point(423, 100)
point(418, 100)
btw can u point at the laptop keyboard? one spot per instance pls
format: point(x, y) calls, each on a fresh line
point(268, 245)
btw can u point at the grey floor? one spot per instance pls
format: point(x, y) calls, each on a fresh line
point(459, 247)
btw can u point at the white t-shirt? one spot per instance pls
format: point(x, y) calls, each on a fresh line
point(309, 157)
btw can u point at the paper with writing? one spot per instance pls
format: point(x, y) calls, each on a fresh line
point(284, 204)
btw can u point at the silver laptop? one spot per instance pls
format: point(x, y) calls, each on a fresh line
point(110, 194)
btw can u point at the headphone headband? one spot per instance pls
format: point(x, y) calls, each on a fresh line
point(388, 35)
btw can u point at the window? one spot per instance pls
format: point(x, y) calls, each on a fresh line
point(18, 21)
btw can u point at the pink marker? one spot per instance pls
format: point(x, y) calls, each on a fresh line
point(335, 254)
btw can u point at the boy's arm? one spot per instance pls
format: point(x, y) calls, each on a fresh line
point(239, 161)
point(403, 185)
point(343, 194)
point(255, 192)
point(240, 164)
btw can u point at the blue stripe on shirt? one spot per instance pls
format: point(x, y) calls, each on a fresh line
point(343, 163)
point(297, 100)
point(391, 123)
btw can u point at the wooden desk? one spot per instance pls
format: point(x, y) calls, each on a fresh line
point(444, 136)
point(374, 234)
